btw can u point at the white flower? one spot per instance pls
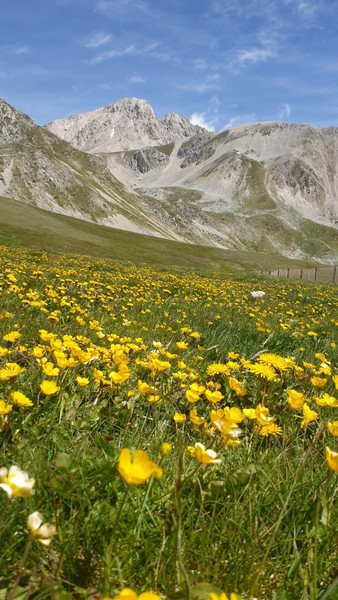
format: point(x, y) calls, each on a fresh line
point(16, 482)
point(257, 294)
point(41, 532)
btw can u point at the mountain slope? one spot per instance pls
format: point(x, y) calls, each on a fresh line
point(262, 187)
point(38, 168)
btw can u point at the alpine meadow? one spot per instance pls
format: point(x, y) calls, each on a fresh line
point(165, 432)
point(169, 300)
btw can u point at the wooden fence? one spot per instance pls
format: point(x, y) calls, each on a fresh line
point(319, 274)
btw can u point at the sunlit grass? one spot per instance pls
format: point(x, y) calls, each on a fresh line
point(175, 427)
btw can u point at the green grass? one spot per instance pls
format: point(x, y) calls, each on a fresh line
point(262, 522)
point(29, 226)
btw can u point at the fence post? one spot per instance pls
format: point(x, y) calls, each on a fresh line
point(334, 274)
point(301, 274)
point(288, 272)
point(316, 274)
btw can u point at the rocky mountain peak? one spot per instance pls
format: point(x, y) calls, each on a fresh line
point(12, 123)
point(128, 124)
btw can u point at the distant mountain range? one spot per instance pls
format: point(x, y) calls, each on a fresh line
point(268, 186)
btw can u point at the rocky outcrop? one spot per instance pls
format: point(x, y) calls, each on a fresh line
point(146, 159)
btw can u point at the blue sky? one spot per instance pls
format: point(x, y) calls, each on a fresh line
point(218, 62)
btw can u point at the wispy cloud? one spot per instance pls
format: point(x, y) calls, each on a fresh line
point(120, 7)
point(131, 50)
point(99, 39)
point(199, 88)
point(16, 50)
point(307, 9)
point(137, 79)
point(201, 120)
point(199, 64)
point(285, 111)
point(20, 50)
point(256, 54)
point(208, 118)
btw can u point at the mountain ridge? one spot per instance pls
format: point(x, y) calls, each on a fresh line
point(128, 124)
point(267, 186)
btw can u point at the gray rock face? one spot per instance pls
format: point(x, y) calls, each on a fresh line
point(147, 159)
point(12, 123)
point(125, 125)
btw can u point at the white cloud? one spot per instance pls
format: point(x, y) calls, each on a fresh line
point(199, 64)
point(98, 40)
point(240, 120)
point(199, 88)
point(118, 7)
point(307, 9)
point(19, 50)
point(254, 55)
point(285, 111)
point(200, 119)
point(130, 50)
point(214, 77)
point(137, 79)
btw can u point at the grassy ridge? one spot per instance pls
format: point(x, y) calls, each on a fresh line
point(25, 225)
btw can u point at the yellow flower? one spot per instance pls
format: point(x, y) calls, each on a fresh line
point(12, 336)
point(250, 413)
point(19, 399)
point(180, 417)
point(10, 370)
point(309, 415)
point(195, 419)
point(332, 459)
point(218, 369)
point(165, 448)
point(182, 345)
point(213, 397)
point(270, 429)
point(154, 399)
point(82, 381)
point(264, 370)
point(50, 370)
point(327, 400)
point(144, 388)
point(4, 407)
point(295, 399)
point(333, 428)
point(16, 482)
point(120, 376)
point(128, 594)
point(48, 387)
point(138, 469)
point(204, 456)
point(318, 381)
point(38, 531)
point(236, 386)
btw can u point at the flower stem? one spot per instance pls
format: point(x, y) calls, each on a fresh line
point(181, 570)
point(2, 514)
point(21, 565)
point(111, 541)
